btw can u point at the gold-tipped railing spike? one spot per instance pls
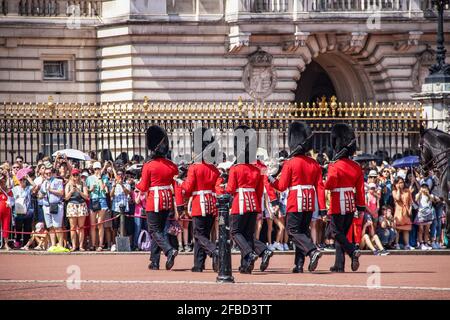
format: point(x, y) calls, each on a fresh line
point(145, 104)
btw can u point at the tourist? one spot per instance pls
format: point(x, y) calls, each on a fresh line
point(98, 205)
point(402, 214)
point(52, 193)
point(424, 216)
point(23, 209)
point(76, 194)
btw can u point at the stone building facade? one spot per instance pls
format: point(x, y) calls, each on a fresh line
point(215, 50)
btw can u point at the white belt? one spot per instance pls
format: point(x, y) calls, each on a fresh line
point(342, 192)
point(156, 190)
point(299, 189)
point(202, 193)
point(241, 197)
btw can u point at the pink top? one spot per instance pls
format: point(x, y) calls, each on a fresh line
point(372, 205)
point(141, 205)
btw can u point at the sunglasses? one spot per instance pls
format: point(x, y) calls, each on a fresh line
point(76, 175)
point(15, 168)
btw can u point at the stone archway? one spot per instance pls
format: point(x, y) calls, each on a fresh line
point(332, 73)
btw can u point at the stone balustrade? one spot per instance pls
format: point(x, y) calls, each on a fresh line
point(51, 8)
point(93, 8)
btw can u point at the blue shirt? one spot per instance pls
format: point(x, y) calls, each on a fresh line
point(51, 198)
point(120, 198)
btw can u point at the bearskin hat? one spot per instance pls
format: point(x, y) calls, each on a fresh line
point(299, 137)
point(343, 140)
point(245, 144)
point(157, 141)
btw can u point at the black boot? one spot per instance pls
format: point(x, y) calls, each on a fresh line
point(196, 269)
point(297, 269)
point(250, 261)
point(336, 269)
point(153, 266)
point(171, 259)
point(267, 254)
point(315, 256)
point(355, 260)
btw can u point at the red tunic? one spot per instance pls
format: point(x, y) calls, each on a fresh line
point(346, 182)
point(246, 184)
point(157, 180)
point(201, 182)
point(267, 187)
point(303, 176)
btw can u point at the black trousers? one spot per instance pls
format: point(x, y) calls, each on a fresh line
point(156, 223)
point(339, 226)
point(243, 232)
point(298, 229)
point(202, 234)
point(23, 224)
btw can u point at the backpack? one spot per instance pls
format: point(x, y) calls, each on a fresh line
point(144, 241)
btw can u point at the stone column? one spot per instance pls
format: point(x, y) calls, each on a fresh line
point(435, 98)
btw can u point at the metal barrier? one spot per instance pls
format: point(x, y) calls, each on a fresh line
point(28, 129)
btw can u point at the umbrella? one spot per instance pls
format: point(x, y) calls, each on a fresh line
point(73, 154)
point(366, 157)
point(410, 161)
point(23, 172)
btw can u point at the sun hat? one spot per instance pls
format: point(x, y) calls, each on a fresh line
point(373, 173)
point(97, 165)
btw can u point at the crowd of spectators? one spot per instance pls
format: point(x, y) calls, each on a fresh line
point(62, 204)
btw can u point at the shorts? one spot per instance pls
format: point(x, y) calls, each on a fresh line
point(282, 212)
point(315, 215)
point(103, 204)
point(75, 210)
point(266, 214)
point(54, 220)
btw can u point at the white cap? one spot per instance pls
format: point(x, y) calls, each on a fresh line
point(39, 226)
point(373, 173)
point(85, 174)
point(97, 165)
point(402, 175)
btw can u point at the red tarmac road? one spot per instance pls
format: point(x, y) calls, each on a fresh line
point(25, 276)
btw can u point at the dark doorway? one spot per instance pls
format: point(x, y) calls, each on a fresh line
point(314, 83)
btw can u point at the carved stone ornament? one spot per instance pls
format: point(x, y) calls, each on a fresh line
point(420, 68)
point(260, 76)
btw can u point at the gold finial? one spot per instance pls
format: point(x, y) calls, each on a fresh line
point(240, 103)
point(50, 101)
point(145, 105)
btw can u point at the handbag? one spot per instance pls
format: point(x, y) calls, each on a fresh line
point(95, 203)
point(53, 207)
point(20, 206)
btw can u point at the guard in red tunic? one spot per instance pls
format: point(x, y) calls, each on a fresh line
point(202, 179)
point(260, 248)
point(345, 180)
point(302, 176)
point(246, 185)
point(157, 181)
